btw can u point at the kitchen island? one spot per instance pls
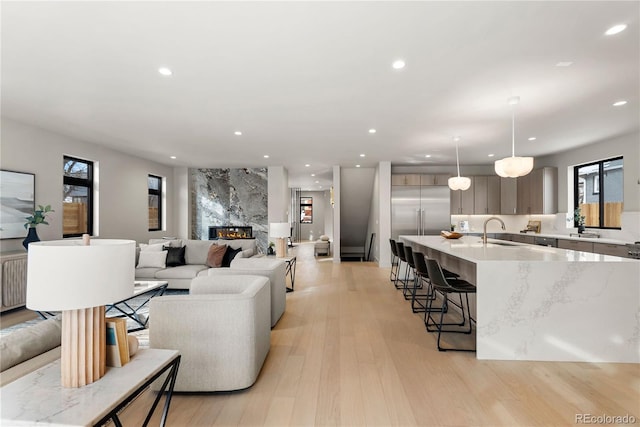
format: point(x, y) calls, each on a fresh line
point(543, 303)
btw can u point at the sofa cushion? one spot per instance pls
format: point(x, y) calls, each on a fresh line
point(197, 251)
point(156, 247)
point(29, 342)
point(244, 244)
point(152, 259)
point(216, 255)
point(188, 271)
point(175, 256)
point(229, 255)
point(174, 243)
point(147, 272)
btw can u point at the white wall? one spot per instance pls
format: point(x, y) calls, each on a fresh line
point(317, 228)
point(123, 204)
point(336, 214)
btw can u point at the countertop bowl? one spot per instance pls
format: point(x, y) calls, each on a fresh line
point(450, 235)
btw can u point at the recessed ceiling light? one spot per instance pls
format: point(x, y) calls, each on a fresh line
point(307, 165)
point(362, 155)
point(313, 174)
point(490, 155)
point(428, 156)
point(513, 100)
point(398, 64)
point(616, 29)
point(372, 131)
point(266, 156)
point(165, 71)
point(564, 64)
point(173, 157)
point(317, 182)
point(619, 103)
point(238, 133)
point(533, 138)
point(357, 166)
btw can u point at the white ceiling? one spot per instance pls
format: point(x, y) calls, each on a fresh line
point(304, 81)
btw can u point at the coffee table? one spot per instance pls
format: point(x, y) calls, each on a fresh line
point(131, 307)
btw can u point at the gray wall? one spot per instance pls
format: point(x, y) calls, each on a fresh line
point(356, 187)
point(122, 208)
point(233, 197)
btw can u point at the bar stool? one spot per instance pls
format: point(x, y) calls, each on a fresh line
point(446, 287)
point(394, 261)
point(401, 259)
point(419, 301)
point(407, 288)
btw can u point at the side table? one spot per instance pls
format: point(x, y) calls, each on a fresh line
point(39, 399)
point(290, 269)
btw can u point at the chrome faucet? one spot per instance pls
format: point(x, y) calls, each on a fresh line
point(484, 229)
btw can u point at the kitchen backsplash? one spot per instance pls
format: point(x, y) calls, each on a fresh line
point(551, 224)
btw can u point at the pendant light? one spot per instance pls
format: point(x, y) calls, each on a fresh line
point(459, 182)
point(513, 167)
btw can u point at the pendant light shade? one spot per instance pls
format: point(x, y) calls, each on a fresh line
point(513, 167)
point(459, 182)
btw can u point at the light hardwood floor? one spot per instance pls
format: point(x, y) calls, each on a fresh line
point(348, 351)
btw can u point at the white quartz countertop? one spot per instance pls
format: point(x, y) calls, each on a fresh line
point(471, 248)
point(559, 236)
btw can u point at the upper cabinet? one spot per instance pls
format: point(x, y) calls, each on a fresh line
point(486, 195)
point(508, 196)
point(462, 202)
point(537, 192)
point(420, 179)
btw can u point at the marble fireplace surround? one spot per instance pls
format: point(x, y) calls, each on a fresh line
point(230, 197)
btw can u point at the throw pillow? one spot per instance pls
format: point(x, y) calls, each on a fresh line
point(175, 256)
point(156, 247)
point(153, 259)
point(216, 255)
point(229, 255)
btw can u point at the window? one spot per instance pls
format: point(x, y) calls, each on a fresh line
point(306, 210)
point(77, 198)
point(155, 203)
point(598, 192)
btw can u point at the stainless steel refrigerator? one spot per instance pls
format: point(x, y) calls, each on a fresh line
point(419, 210)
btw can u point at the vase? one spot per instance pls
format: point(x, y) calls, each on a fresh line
point(580, 229)
point(32, 236)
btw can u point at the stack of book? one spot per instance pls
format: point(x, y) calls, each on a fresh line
point(117, 343)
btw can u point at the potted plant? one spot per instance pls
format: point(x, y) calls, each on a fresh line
point(579, 219)
point(39, 217)
point(270, 250)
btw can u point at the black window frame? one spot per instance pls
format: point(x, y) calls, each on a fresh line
point(154, 192)
point(80, 182)
point(601, 192)
point(303, 205)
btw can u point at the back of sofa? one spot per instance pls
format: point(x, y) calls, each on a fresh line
point(196, 250)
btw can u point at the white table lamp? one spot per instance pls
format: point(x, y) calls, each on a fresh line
point(78, 279)
point(280, 231)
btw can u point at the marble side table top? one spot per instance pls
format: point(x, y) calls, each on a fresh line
point(39, 399)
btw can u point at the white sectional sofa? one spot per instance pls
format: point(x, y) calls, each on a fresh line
point(195, 256)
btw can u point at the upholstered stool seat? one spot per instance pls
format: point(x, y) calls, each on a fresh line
point(322, 246)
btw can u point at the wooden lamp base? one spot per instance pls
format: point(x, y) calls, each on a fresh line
point(83, 356)
point(281, 247)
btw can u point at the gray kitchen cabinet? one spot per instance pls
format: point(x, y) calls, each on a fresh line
point(522, 238)
point(538, 192)
point(406, 179)
point(575, 245)
point(611, 249)
point(434, 179)
point(486, 194)
point(508, 196)
point(462, 201)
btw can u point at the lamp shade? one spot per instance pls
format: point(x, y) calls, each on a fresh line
point(67, 275)
point(513, 167)
point(459, 183)
point(279, 229)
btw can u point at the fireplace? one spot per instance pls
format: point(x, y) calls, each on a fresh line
point(230, 232)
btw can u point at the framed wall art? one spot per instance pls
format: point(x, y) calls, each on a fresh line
point(17, 201)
